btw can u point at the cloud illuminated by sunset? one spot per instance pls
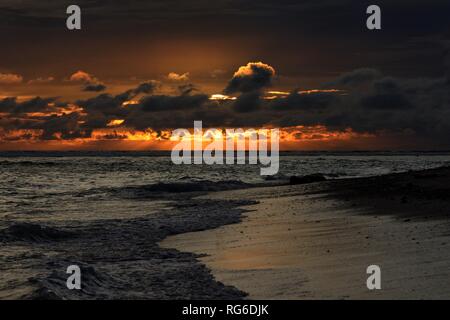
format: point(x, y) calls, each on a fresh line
point(350, 110)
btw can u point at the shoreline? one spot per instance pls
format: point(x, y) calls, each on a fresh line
point(315, 241)
point(160, 253)
point(119, 258)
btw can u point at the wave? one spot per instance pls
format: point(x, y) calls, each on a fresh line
point(28, 163)
point(30, 232)
point(53, 286)
point(178, 187)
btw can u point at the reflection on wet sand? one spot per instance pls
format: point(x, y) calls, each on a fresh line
point(294, 245)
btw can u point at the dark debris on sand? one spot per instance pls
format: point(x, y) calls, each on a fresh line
point(423, 194)
point(307, 179)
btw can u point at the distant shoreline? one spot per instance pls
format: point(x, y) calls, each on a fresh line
point(145, 153)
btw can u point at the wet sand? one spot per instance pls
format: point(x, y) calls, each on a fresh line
point(315, 241)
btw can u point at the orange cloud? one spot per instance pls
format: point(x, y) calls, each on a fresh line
point(173, 76)
point(81, 76)
point(41, 80)
point(10, 78)
point(115, 123)
point(250, 68)
point(121, 138)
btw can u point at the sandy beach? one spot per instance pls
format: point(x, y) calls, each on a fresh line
point(315, 241)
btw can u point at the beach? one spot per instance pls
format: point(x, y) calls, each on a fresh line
point(140, 228)
point(315, 241)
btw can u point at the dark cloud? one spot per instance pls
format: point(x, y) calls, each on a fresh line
point(89, 81)
point(112, 105)
point(65, 127)
point(170, 103)
point(311, 101)
point(106, 103)
point(374, 103)
point(8, 104)
point(356, 78)
point(187, 89)
point(248, 102)
point(151, 111)
point(249, 81)
point(210, 113)
point(387, 95)
point(37, 104)
point(252, 77)
point(94, 87)
point(384, 104)
point(147, 87)
point(100, 110)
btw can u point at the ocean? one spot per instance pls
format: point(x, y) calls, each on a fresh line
point(73, 185)
point(60, 207)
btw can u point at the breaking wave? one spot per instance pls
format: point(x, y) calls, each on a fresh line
point(30, 232)
point(53, 287)
point(160, 188)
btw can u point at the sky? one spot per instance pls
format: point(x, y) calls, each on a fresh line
point(139, 69)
